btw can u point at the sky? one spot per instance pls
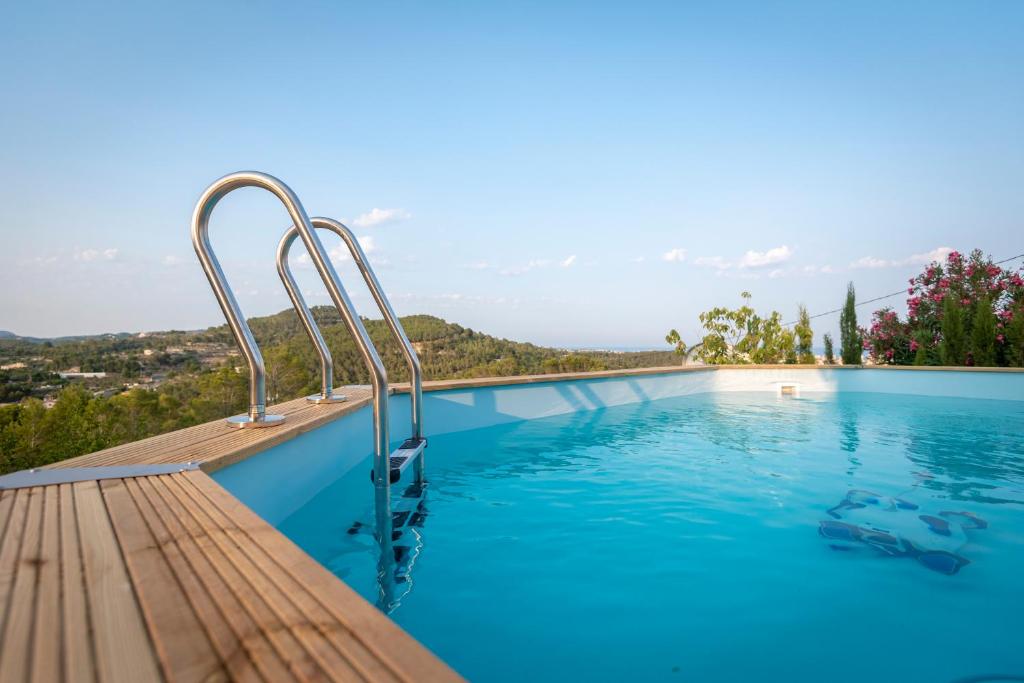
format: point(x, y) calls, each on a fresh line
point(571, 174)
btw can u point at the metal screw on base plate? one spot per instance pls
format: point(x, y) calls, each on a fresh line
point(247, 422)
point(332, 398)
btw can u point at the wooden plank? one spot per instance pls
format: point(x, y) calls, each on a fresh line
point(13, 506)
point(79, 658)
point(333, 650)
point(231, 650)
point(381, 636)
point(182, 646)
point(124, 651)
point(283, 633)
point(46, 649)
point(248, 629)
point(217, 445)
point(17, 634)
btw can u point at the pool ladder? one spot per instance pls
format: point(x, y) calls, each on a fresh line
point(387, 466)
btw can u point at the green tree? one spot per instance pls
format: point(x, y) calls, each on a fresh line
point(983, 334)
point(921, 352)
point(788, 343)
point(676, 341)
point(740, 335)
point(953, 347)
point(1014, 348)
point(830, 358)
point(851, 345)
point(805, 337)
point(288, 376)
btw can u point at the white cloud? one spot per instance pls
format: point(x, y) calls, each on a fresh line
point(758, 259)
point(568, 261)
point(520, 270)
point(676, 255)
point(936, 254)
point(40, 261)
point(478, 265)
point(340, 253)
point(815, 270)
point(171, 260)
point(455, 298)
point(871, 262)
point(638, 259)
point(716, 262)
point(108, 254)
point(750, 259)
point(375, 217)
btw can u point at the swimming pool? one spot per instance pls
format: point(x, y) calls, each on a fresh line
point(709, 535)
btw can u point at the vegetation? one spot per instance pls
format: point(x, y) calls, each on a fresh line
point(830, 357)
point(193, 377)
point(740, 335)
point(805, 337)
point(952, 344)
point(963, 311)
point(851, 345)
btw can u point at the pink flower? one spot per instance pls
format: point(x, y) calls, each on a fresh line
point(913, 345)
point(1000, 338)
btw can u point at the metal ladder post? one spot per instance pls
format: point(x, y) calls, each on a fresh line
point(412, 360)
point(257, 415)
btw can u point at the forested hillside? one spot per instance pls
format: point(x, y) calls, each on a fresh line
point(120, 388)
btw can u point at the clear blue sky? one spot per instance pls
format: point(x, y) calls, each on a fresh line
point(576, 174)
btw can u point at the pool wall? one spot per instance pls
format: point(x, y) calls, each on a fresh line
point(276, 482)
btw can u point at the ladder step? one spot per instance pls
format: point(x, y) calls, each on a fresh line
point(403, 456)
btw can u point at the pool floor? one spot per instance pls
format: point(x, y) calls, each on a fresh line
point(718, 537)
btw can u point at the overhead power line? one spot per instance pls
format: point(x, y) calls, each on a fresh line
point(884, 296)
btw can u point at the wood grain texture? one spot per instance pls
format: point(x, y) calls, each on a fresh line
point(170, 578)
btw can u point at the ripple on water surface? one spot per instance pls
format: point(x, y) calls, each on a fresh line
point(728, 537)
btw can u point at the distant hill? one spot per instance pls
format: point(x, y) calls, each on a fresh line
point(5, 334)
point(446, 350)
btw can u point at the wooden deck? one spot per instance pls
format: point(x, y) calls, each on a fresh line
point(215, 445)
point(170, 578)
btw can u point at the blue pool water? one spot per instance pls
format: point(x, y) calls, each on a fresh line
point(681, 540)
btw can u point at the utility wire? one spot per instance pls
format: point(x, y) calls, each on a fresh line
point(885, 296)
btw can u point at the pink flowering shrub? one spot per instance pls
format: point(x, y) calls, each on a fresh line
point(965, 280)
point(889, 339)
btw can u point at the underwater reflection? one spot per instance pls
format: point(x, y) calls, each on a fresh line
point(972, 455)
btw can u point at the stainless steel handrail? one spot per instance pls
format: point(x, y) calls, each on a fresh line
point(243, 335)
point(326, 394)
point(257, 415)
point(393, 323)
